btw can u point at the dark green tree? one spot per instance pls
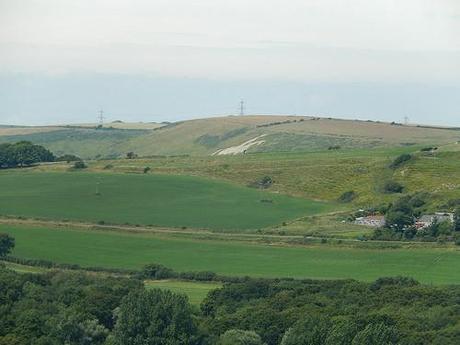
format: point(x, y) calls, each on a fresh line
point(6, 244)
point(23, 153)
point(376, 334)
point(400, 215)
point(312, 330)
point(157, 317)
point(342, 332)
point(456, 225)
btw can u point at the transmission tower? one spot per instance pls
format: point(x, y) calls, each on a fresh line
point(101, 118)
point(242, 107)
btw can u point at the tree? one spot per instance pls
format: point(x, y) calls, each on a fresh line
point(154, 317)
point(23, 153)
point(131, 155)
point(376, 334)
point(6, 244)
point(342, 332)
point(456, 225)
point(240, 337)
point(313, 330)
point(400, 215)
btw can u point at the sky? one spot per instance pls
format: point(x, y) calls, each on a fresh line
point(166, 60)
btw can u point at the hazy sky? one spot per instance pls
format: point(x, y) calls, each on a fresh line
point(61, 60)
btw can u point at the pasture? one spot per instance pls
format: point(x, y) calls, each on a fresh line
point(127, 250)
point(147, 199)
point(195, 291)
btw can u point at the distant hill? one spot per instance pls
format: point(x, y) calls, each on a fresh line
point(228, 135)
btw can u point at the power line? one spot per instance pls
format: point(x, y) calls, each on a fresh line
point(101, 118)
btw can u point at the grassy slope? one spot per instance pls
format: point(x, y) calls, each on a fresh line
point(172, 201)
point(113, 249)
point(320, 175)
point(205, 136)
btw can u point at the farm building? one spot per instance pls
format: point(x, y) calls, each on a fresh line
point(374, 221)
point(428, 219)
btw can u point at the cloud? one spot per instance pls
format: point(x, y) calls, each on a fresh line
point(323, 40)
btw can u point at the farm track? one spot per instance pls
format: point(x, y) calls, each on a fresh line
point(281, 239)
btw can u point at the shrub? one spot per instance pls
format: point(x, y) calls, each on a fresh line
point(393, 187)
point(79, 165)
point(146, 170)
point(131, 155)
point(264, 182)
point(348, 196)
point(400, 160)
point(157, 271)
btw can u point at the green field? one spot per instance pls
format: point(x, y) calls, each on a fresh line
point(171, 201)
point(195, 291)
point(124, 250)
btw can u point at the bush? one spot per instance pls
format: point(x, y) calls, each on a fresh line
point(264, 182)
point(131, 155)
point(79, 165)
point(348, 196)
point(400, 160)
point(393, 187)
point(157, 271)
point(146, 170)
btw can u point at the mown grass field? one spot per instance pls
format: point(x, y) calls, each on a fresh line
point(125, 250)
point(170, 201)
point(195, 291)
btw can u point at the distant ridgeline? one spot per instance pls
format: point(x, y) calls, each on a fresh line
point(23, 153)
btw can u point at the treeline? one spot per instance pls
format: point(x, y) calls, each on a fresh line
point(23, 153)
point(78, 308)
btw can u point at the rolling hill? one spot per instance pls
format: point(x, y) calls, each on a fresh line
point(228, 135)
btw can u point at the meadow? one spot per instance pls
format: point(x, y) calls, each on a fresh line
point(195, 291)
point(90, 248)
point(147, 199)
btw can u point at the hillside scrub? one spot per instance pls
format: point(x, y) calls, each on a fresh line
point(400, 160)
point(348, 196)
point(393, 187)
point(263, 182)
